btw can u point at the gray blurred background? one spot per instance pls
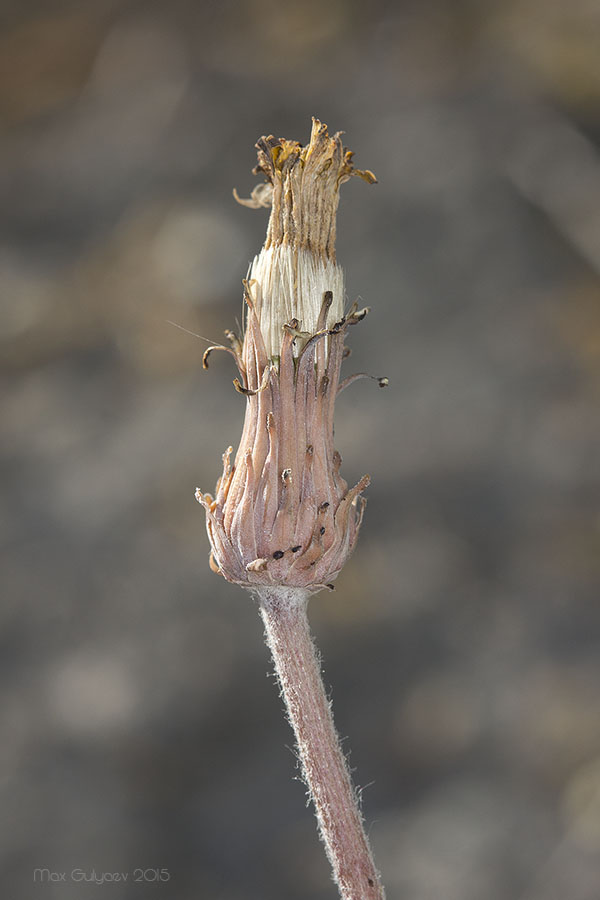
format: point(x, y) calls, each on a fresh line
point(140, 726)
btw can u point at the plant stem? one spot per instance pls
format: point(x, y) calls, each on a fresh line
point(284, 612)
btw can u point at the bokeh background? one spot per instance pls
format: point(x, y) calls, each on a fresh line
point(140, 726)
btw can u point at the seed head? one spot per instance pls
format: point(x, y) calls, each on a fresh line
point(282, 514)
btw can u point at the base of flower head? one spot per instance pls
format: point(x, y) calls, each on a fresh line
point(282, 514)
point(311, 566)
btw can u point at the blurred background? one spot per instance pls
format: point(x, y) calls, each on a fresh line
point(141, 728)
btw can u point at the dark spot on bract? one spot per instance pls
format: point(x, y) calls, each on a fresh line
point(322, 529)
point(278, 554)
point(296, 548)
point(371, 882)
point(324, 505)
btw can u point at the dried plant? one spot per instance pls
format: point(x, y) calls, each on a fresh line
point(283, 521)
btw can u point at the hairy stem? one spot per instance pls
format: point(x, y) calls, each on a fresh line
point(324, 768)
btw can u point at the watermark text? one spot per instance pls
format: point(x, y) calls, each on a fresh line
point(43, 875)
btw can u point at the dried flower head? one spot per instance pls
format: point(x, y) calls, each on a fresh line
point(282, 514)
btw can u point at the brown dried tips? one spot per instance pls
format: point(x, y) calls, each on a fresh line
point(302, 188)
